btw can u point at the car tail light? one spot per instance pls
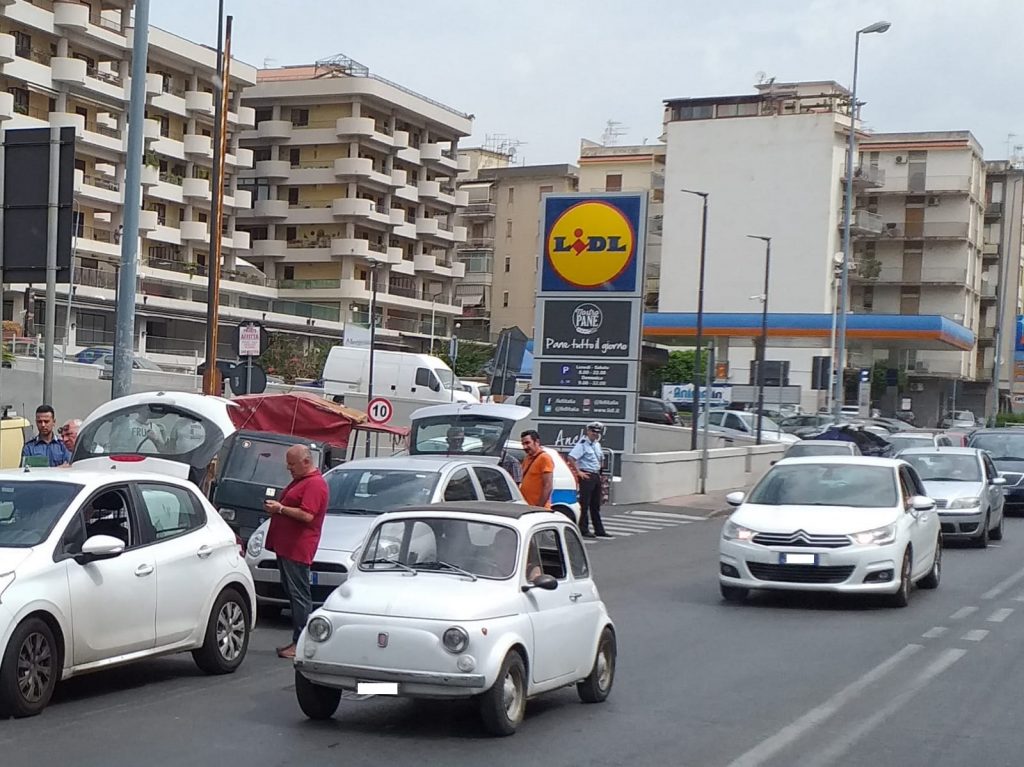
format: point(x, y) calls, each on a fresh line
point(241, 546)
point(128, 458)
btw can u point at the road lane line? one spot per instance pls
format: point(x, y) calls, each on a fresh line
point(638, 525)
point(1000, 615)
point(935, 632)
point(613, 529)
point(963, 612)
point(1019, 597)
point(844, 742)
point(999, 588)
point(665, 515)
point(975, 635)
point(771, 746)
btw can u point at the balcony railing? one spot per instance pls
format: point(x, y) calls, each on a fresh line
point(918, 184)
point(102, 182)
point(480, 243)
point(309, 284)
point(96, 278)
point(312, 311)
point(868, 176)
point(863, 222)
point(931, 276)
point(947, 230)
point(994, 210)
point(479, 209)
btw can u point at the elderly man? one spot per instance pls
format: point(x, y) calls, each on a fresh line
point(69, 433)
point(585, 461)
point(295, 525)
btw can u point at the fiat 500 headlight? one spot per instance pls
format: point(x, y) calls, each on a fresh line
point(455, 639)
point(319, 629)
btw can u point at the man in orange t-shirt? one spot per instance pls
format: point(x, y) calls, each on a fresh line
point(538, 471)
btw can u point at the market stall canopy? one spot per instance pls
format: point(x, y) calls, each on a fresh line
point(306, 415)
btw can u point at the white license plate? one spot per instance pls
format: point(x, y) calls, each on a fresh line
point(798, 559)
point(377, 688)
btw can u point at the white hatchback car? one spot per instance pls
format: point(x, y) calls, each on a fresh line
point(838, 523)
point(101, 568)
point(490, 601)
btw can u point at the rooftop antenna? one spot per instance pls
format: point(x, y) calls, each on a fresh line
point(1010, 145)
point(267, 61)
point(612, 131)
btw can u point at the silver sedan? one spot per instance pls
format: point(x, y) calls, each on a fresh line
point(967, 490)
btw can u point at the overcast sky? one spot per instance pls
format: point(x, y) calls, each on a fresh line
point(549, 72)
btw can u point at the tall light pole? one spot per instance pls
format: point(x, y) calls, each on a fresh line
point(764, 330)
point(838, 392)
point(374, 267)
point(697, 378)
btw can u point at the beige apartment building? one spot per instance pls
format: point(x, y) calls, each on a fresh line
point(634, 168)
point(68, 64)
point(918, 250)
point(502, 250)
point(354, 173)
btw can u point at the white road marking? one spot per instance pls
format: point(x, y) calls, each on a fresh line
point(617, 531)
point(1000, 615)
point(1001, 587)
point(963, 612)
point(629, 523)
point(666, 515)
point(975, 635)
point(771, 746)
point(935, 632)
point(843, 742)
point(1019, 597)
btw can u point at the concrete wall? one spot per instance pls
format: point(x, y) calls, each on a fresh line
point(652, 477)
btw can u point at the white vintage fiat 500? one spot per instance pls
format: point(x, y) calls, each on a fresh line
point(492, 601)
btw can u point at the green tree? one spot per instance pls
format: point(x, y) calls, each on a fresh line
point(679, 368)
point(471, 360)
point(290, 357)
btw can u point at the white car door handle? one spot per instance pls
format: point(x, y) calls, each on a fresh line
point(143, 570)
point(204, 551)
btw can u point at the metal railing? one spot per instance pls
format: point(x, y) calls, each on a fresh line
point(312, 311)
point(937, 229)
point(308, 284)
point(929, 276)
point(102, 182)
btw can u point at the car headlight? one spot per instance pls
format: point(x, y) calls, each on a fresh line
point(319, 629)
point(455, 639)
point(5, 581)
point(228, 515)
point(733, 532)
point(965, 503)
point(880, 536)
point(255, 547)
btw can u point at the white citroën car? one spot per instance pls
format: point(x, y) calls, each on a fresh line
point(492, 601)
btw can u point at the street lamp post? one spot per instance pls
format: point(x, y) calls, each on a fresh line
point(764, 331)
point(838, 392)
point(697, 377)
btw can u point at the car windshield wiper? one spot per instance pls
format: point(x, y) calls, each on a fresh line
point(439, 565)
point(359, 512)
point(950, 479)
point(386, 561)
point(1008, 458)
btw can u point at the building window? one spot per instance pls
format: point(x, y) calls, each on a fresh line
point(20, 100)
point(22, 45)
point(504, 299)
point(261, 154)
point(291, 233)
point(293, 196)
point(705, 112)
point(546, 190)
point(94, 328)
point(294, 155)
point(266, 113)
point(165, 125)
point(511, 195)
point(300, 118)
point(613, 182)
point(289, 273)
point(508, 264)
point(508, 226)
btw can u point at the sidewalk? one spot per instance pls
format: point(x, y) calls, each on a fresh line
point(710, 505)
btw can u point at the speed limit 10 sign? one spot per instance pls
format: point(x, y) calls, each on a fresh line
point(379, 410)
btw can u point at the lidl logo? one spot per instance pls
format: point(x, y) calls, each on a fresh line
point(590, 244)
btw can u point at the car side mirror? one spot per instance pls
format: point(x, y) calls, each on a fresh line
point(545, 582)
point(998, 481)
point(100, 547)
point(922, 503)
point(735, 499)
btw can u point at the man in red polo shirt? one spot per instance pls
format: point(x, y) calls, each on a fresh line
point(294, 535)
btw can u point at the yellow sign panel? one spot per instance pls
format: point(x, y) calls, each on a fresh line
point(591, 244)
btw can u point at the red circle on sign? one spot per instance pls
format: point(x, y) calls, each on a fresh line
point(379, 410)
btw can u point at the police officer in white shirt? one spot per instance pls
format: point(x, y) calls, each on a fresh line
point(585, 461)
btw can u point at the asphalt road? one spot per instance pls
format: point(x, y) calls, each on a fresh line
point(781, 680)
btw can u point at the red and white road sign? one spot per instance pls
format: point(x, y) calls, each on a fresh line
point(379, 410)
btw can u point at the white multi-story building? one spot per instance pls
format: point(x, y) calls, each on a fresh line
point(772, 163)
point(68, 64)
point(352, 170)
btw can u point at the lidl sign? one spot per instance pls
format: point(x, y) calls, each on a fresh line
point(592, 243)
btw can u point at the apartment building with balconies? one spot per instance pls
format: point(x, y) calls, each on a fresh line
point(68, 64)
point(501, 251)
point(353, 173)
point(636, 168)
point(919, 226)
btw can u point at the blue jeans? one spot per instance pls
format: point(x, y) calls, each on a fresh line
point(295, 582)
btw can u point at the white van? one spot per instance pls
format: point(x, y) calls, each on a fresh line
point(398, 375)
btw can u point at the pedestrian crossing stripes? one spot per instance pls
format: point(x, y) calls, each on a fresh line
point(630, 522)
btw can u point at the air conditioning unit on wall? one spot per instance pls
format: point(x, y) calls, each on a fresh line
point(933, 201)
point(900, 159)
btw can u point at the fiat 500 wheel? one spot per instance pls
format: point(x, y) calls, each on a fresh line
point(503, 706)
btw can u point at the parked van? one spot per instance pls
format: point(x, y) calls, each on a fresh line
point(396, 375)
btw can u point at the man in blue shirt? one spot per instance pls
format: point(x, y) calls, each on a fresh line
point(585, 461)
point(46, 444)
